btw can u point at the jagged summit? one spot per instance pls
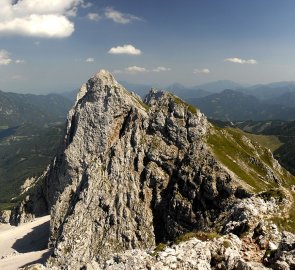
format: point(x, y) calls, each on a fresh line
point(100, 79)
point(153, 96)
point(104, 77)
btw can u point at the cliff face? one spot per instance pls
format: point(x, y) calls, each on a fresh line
point(131, 174)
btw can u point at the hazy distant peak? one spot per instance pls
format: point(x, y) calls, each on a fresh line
point(218, 86)
point(175, 86)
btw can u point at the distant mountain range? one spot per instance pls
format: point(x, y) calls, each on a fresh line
point(232, 105)
point(17, 109)
point(185, 91)
point(270, 91)
point(223, 100)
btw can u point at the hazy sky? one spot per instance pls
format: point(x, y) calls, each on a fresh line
point(56, 45)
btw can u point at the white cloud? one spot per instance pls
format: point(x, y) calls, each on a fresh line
point(119, 17)
point(201, 71)
point(89, 60)
point(131, 70)
point(38, 17)
point(161, 69)
point(93, 17)
point(5, 58)
point(72, 12)
point(19, 61)
point(125, 49)
point(136, 69)
point(241, 61)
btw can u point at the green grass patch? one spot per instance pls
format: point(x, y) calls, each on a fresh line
point(246, 158)
point(190, 107)
point(268, 141)
point(286, 222)
point(203, 236)
point(231, 150)
point(159, 248)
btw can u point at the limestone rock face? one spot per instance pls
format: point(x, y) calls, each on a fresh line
point(283, 258)
point(130, 174)
point(5, 216)
point(219, 253)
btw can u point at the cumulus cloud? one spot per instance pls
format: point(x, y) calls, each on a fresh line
point(131, 70)
point(201, 71)
point(38, 17)
point(89, 60)
point(125, 49)
point(137, 69)
point(93, 17)
point(119, 17)
point(161, 69)
point(241, 61)
point(5, 58)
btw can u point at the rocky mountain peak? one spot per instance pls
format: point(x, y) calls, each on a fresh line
point(132, 174)
point(129, 173)
point(102, 78)
point(98, 82)
point(153, 96)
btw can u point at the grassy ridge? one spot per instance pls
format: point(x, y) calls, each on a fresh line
point(246, 158)
point(268, 141)
point(234, 150)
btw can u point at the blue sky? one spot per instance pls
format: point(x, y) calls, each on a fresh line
point(56, 45)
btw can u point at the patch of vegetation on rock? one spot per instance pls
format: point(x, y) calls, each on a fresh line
point(203, 236)
point(190, 107)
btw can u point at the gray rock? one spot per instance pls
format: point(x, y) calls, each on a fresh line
point(284, 257)
point(5, 216)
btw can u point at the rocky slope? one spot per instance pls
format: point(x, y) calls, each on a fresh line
point(132, 174)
